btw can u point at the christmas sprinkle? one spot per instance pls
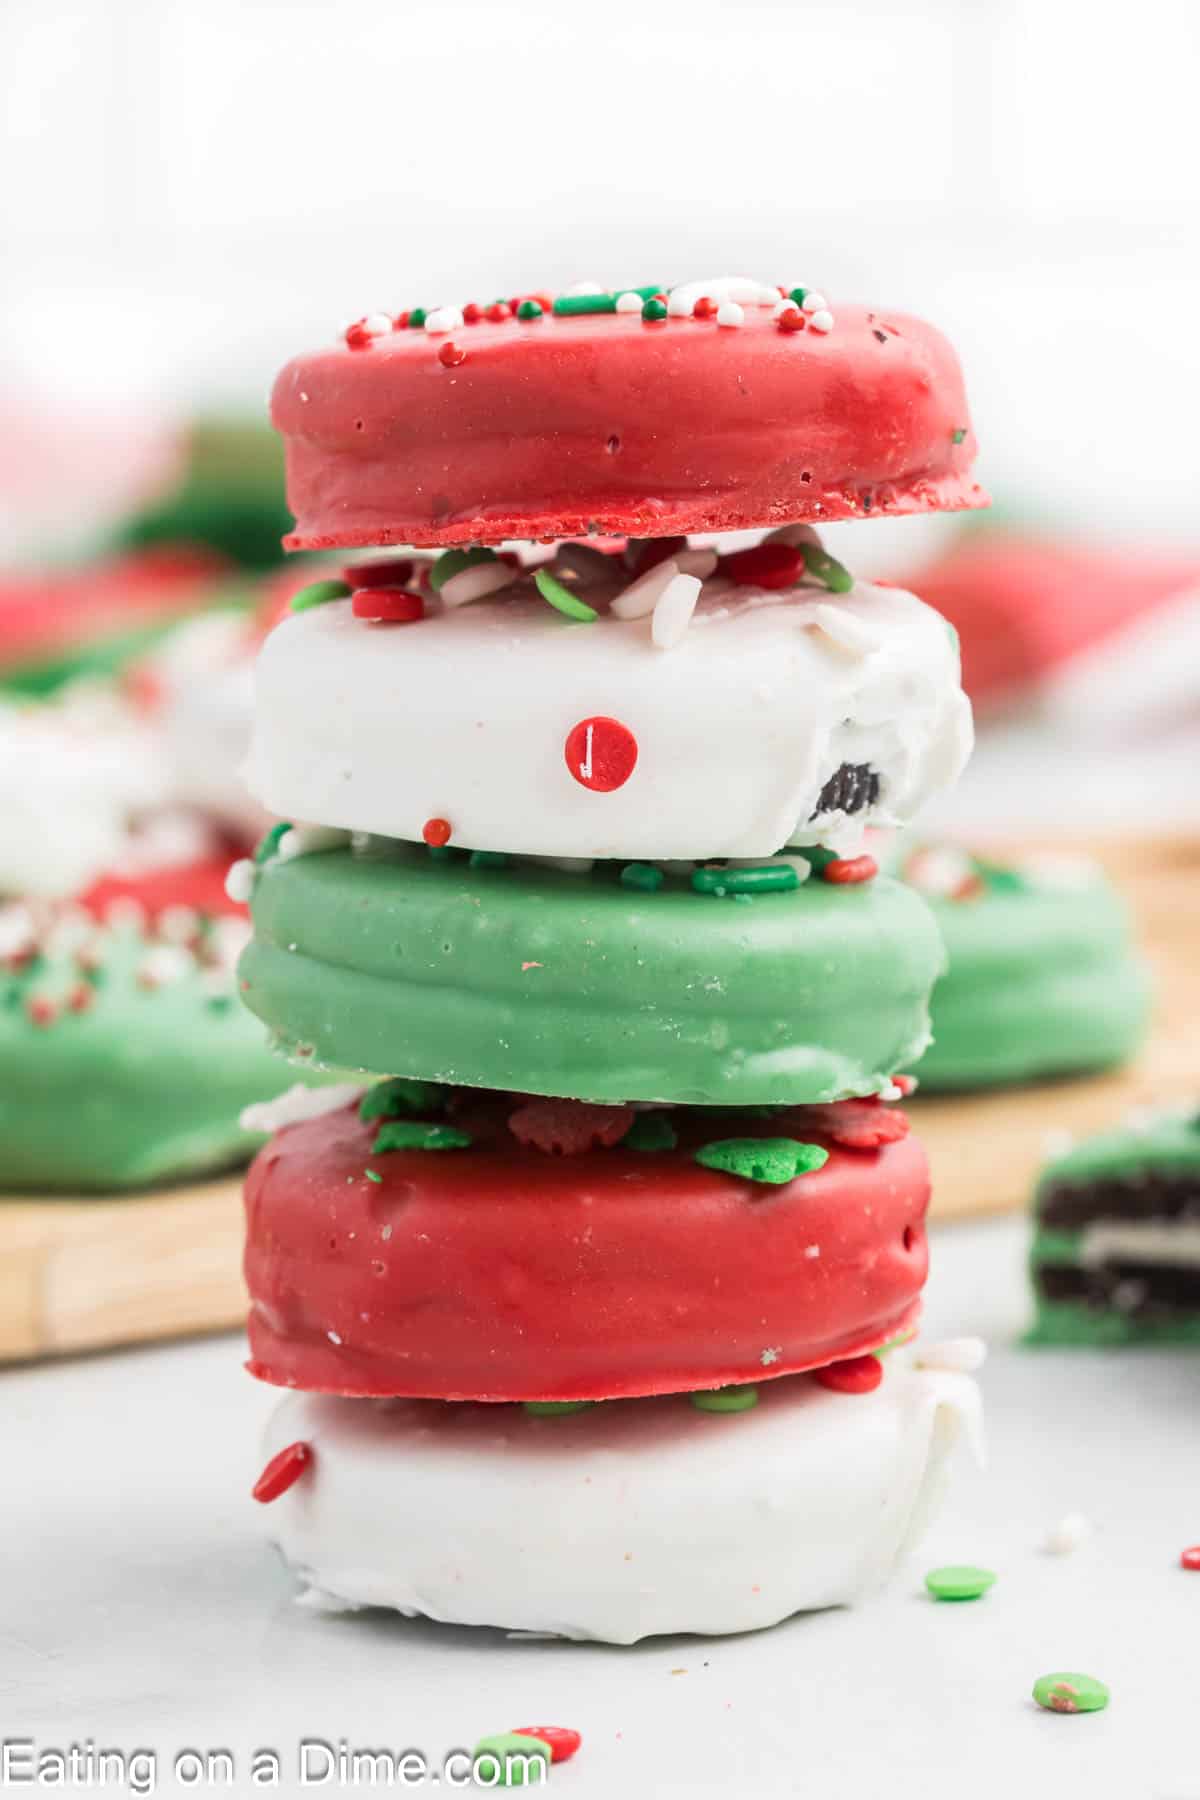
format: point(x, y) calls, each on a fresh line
point(767, 1160)
point(856, 1375)
point(1067, 1693)
point(642, 876)
point(452, 562)
point(725, 1400)
point(282, 1472)
point(601, 754)
point(436, 833)
point(825, 568)
point(318, 593)
point(562, 1740)
point(554, 1409)
point(959, 1582)
point(562, 599)
point(400, 1096)
point(650, 1131)
point(406, 1135)
point(771, 878)
point(387, 606)
point(849, 871)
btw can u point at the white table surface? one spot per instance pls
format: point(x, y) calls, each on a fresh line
point(139, 1606)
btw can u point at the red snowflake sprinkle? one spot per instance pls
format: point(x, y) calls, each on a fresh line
point(601, 754)
point(562, 1740)
point(436, 832)
point(854, 1124)
point(451, 354)
point(857, 1375)
point(569, 1127)
point(282, 1472)
point(705, 308)
point(791, 319)
point(847, 871)
point(771, 566)
point(387, 606)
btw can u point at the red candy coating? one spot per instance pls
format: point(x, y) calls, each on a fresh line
point(601, 754)
point(436, 832)
point(496, 1272)
point(562, 1740)
point(715, 430)
point(847, 871)
point(282, 1472)
point(568, 1127)
point(855, 1375)
point(387, 606)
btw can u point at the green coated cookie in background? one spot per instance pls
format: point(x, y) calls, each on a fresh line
point(959, 1581)
point(1066, 1693)
point(503, 1760)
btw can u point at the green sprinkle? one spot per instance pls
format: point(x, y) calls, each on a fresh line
point(529, 309)
point(650, 1131)
point(826, 568)
point(504, 1760)
point(773, 1160)
point(725, 1400)
point(399, 1096)
point(372, 1175)
point(772, 878)
point(441, 852)
point(799, 295)
point(1063, 1692)
point(1000, 880)
point(654, 309)
point(489, 859)
point(269, 846)
point(817, 857)
point(554, 1409)
point(642, 875)
point(453, 562)
point(956, 437)
point(567, 305)
point(416, 317)
point(318, 593)
point(411, 1135)
point(219, 1003)
point(959, 1581)
point(562, 598)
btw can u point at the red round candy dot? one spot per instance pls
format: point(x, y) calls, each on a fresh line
point(601, 754)
point(282, 1472)
point(562, 1740)
point(436, 832)
point(705, 308)
point(791, 319)
point(1190, 1558)
point(857, 1375)
point(846, 871)
point(387, 605)
point(771, 566)
point(400, 322)
point(388, 571)
point(499, 310)
point(451, 354)
point(472, 313)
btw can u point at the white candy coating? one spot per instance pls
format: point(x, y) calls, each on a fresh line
point(465, 717)
point(625, 1521)
point(1070, 1533)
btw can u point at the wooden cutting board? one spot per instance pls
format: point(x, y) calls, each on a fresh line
point(86, 1274)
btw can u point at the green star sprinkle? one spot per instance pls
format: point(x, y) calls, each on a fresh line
point(773, 1160)
point(825, 568)
point(959, 1581)
point(725, 1400)
point(269, 845)
point(567, 305)
point(562, 598)
point(410, 1134)
point(650, 1131)
point(399, 1096)
point(318, 593)
point(504, 1760)
point(453, 562)
point(1063, 1692)
point(772, 878)
point(554, 1409)
point(643, 876)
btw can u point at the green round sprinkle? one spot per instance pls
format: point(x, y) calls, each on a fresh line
point(772, 878)
point(1000, 880)
point(725, 1400)
point(269, 845)
point(554, 1409)
point(568, 304)
point(959, 1581)
point(956, 437)
point(453, 562)
point(826, 568)
point(489, 859)
point(318, 593)
point(642, 875)
point(504, 1760)
point(410, 1135)
point(773, 1160)
point(398, 1097)
point(1064, 1692)
point(562, 598)
point(529, 309)
point(416, 317)
point(650, 1131)
point(799, 295)
point(654, 309)
point(372, 1175)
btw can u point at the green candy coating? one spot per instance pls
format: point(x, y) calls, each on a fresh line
point(724, 1400)
point(650, 1131)
point(772, 1160)
point(398, 1097)
point(318, 593)
point(1064, 1692)
point(562, 599)
point(503, 1760)
point(550, 982)
point(453, 562)
point(959, 1581)
point(412, 1134)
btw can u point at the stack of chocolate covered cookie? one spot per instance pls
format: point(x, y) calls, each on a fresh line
point(598, 1300)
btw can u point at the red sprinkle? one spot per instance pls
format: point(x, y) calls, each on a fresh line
point(705, 308)
point(472, 313)
point(601, 753)
point(569, 1127)
point(436, 832)
point(451, 354)
point(791, 319)
point(41, 1010)
point(845, 871)
point(387, 605)
point(906, 1083)
point(562, 1740)
point(857, 1375)
point(357, 335)
point(854, 1124)
point(1190, 1558)
point(389, 571)
point(654, 551)
point(400, 322)
point(282, 1472)
point(770, 566)
point(81, 997)
point(499, 310)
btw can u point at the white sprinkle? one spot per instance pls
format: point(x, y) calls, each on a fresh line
point(783, 304)
point(333, 1337)
point(239, 882)
point(697, 562)
point(309, 840)
point(771, 1356)
point(730, 313)
point(641, 596)
point(377, 324)
point(1071, 1531)
point(476, 582)
point(673, 611)
point(821, 321)
point(679, 304)
point(303, 398)
point(579, 288)
point(178, 924)
point(813, 303)
point(297, 1104)
point(845, 628)
point(385, 1233)
point(629, 303)
point(443, 318)
point(959, 1356)
point(812, 1251)
point(766, 295)
point(164, 963)
point(889, 1091)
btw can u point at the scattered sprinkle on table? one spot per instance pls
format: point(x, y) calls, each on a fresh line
point(1190, 1558)
point(959, 1581)
point(504, 1760)
point(1063, 1692)
point(1072, 1530)
point(563, 1741)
